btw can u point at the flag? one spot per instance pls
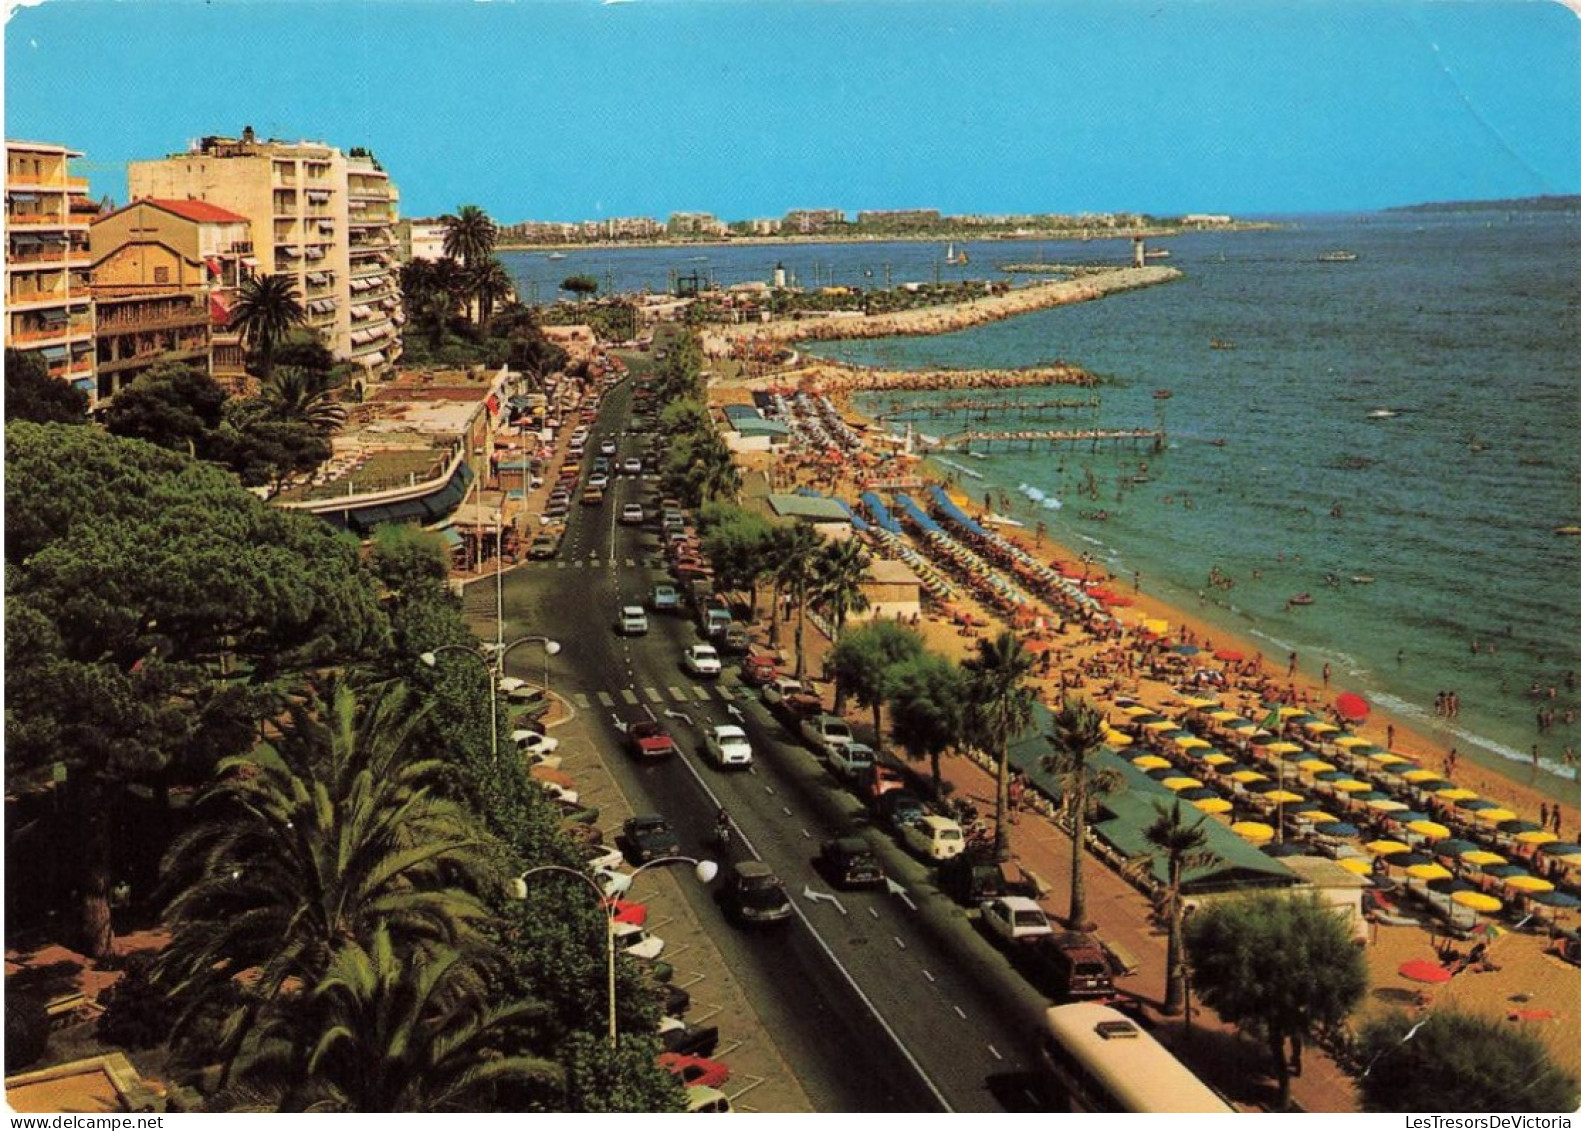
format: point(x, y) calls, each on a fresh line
point(1271, 723)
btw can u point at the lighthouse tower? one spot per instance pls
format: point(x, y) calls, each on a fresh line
point(779, 276)
point(1138, 252)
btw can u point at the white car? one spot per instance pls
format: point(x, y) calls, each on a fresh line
point(824, 732)
point(633, 620)
point(632, 465)
point(535, 745)
point(850, 760)
point(597, 481)
point(607, 448)
point(1015, 918)
point(702, 660)
point(933, 837)
point(635, 941)
point(567, 797)
point(728, 746)
point(781, 686)
point(602, 857)
point(631, 514)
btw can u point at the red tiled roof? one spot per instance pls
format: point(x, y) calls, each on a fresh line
point(200, 211)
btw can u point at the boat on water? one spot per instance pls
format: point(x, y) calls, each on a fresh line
point(952, 256)
point(1362, 579)
point(1156, 253)
point(1001, 520)
point(1162, 394)
point(557, 255)
point(1338, 257)
point(1300, 599)
point(1217, 442)
point(1382, 414)
point(1221, 344)
point(1569, 531)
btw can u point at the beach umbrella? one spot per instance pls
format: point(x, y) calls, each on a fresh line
point(1560, 899)
point(1150, 762)
point(1407, 859)
point(1213, 805)
point(1177, 784)
point(1196, 703)
point(1340, 829)
point(1137, 711)
point(1450, 885)
point(1385, 847)
point(1229, 655)
point(1515, 825)
point(1428, 871)
point(1282, 797)
point(1217, 758)
point(1425, 970)
point(1455, 793)
point(1503, 871)
point(1348, 741)
point(1477, 901)
point(1288, 848)
point(1414, 776)
point(1185, 649)
point(1254, 831)
point(1192, 742)
point(1355, 864)
point(1407, 817)
point(1373, 796)
point(1432, 785)
point(1330, 774)
point(1481, 857)
point(1495, 816)
point(1156, 725)
point(1454, 847)
point(1318, 726)
point(1351, 706)
point(1536, 836)
point(1246, 777)
point(1240, 725)
point(1560, 848)
point(1117, 738)
point(1199, 793)
point(1430, 829)
point(1224, 715)
point(1385, 758)
point(1528, 883)
point(1349, 785)
point(1317, 816)
point(1283, 748)
point(1475, 804)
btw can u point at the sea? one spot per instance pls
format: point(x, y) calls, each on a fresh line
point(1396, 436)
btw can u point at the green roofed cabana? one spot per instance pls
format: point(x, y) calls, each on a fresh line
point(1124, 816)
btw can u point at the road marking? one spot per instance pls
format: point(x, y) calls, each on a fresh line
point(900, 942)
point(653, 694)
point(701, 692)
point(606, 699)
point(629, 696)
point(928, 975)
point(873, 911)
point(559, 565)
point(725, 693)
point(822, 897)
point(959, 1012)
point(805, 835)
point(581, 700)
point(995, 1053)
point(678, 695)
point(631, 563)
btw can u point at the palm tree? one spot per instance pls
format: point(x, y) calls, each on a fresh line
point(999, 707)
point(302, 396)
point(267, 307)
point(1183, 846)
point(490, 284)
point(841, 569)
point(313, 843)
point(470, 235)
point(1076, 738)
point(714, 468)
point(798, 549)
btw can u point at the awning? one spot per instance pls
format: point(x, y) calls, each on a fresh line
point(249, 261)
point(25, 238)
point(317, 278)
point(362, 310)
point(318, 196)
point(54, 315)
point(373, 360)
point(315, 253)
point(54, 353)
point(326, 225)
point(23, 197)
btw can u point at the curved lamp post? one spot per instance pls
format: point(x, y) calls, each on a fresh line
point(496, 671)
point(704, 870)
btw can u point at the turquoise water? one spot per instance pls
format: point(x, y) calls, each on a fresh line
point(1467, 327)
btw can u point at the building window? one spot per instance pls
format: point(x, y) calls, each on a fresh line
point(161, 274)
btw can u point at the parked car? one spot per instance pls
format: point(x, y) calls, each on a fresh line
point(758, 668)
point(543, 547)
point(824, 732)
point(848, 761)
point(601, 856)
point(598, 481)
point(666, 599)
point(794, 708)
point(689, 1040)
point(698, 1070)
point(777, 689)
point(736, 639)
point(636, 941)
point(631, 514)
point(879, 780)
point(649, 740)
point(899, 807)
point(1015, 919)
point(701, 660)
point(633, 621)
point(971, 878)
point(933, 837)
point(706, 1100)
point(752, 893)
point(727, 746)
point(533, 743)
point(649, 837)
point(850, 863)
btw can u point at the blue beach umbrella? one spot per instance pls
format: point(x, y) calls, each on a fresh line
point(1406, 859)
point(1371, 795)
point(1559, 848)
point(1476, 804)
point(1454, 847)
point(1185, 649)
point(1560, 899)
point(1504, 871)
point(1450, 887)
point(1288, 848)
point(1518, 826)
point(1341, 829)
point(1406, 816)
point(1200, 793)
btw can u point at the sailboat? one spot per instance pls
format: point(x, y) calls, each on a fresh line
point(950, 255)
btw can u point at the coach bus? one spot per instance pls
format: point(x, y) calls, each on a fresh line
point(1105, 1062)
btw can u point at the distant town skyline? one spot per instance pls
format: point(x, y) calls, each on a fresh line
point(568, 110)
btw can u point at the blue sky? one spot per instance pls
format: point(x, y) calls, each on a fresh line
point(565, 109)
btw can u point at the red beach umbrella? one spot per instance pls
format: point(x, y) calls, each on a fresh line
point(1351, 705)
point(1229, 655)
point(1423, 970)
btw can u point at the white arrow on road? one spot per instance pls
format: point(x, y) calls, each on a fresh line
point(735, 712)
point(814, 896)
point(896, 889)
point(678, 715)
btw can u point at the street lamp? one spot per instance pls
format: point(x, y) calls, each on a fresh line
point(496, 670)
point(703, 870)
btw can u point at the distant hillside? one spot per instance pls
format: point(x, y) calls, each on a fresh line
point(1519, 204)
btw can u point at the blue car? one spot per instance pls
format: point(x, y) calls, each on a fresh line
point(666, 598)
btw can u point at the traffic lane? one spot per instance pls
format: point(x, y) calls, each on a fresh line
point(963, 1021)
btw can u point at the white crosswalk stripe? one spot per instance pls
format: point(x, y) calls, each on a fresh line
point(606, 698)
point(581, 700)
point(629, 696)
point(631, 563)
point(725, 693)
point(559, 565)
point(678, 695)
point(701, 692)
point(654, 694)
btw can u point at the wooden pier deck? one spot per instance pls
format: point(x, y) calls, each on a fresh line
point(964, 440)
point(980, 408)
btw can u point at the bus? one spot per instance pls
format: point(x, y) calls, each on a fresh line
point(1105, 1063)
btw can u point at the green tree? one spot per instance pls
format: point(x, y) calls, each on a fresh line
point(927, 708)
point(863, 664)
point(1452, 1061)
point(1183, 844)
point(795, 575)
point(489, 284)
point(582, 286)
point(998, 708)
point(332, 834)
point(302, 396)
point(738, 544)
point(267, 308)
point(841, 568)
point(263, 451)
point(174, 406)
point(32, 394)
point(621, 1079)
point(1076, 739)
point(470, 235)
point(1279, 966)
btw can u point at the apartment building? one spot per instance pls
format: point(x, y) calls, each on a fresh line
point(324, 218)
point(48, 307)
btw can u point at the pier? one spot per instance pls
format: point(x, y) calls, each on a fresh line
point(973, 407)
point(962, 441)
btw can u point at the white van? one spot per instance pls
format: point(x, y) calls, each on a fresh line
point(702, 1098)
point(934, 837)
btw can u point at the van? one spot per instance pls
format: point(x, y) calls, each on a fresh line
point(933, 837)
point(1067, 966)
point(702, 1098)
point(714, 621)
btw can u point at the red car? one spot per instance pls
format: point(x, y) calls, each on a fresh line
point(696, 1070)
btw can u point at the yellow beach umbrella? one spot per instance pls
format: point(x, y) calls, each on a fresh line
point(1319, 727)
point(1387, 759)
point(1117, 738)
point(1481, 856)
point(1355, 864)
point(1493, 816)
point(1455, 793)
point(1387, 805)
point(1192, 742)
point(1135, 710)
point(1385, 847)
point(1180, 783)
point(1254, 831)
point(1282, 748)
point(1197, 704)
point(1247, 777)
point(1420, 775)
point(1156, 627)
point(1477, 901)
point(1528, 884)
point(1430, 829)
point(1217, 758)
point(1536, 836)
point(1282, 797)
point(1213, 805)
point(1346, 741)
point(1161, 724)
point(1428, 872)
point(1150, 762)
point(1314, 765)
point(1223, 716)
point(1286, 712)
point(1318, 817)
point(1349, 785)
